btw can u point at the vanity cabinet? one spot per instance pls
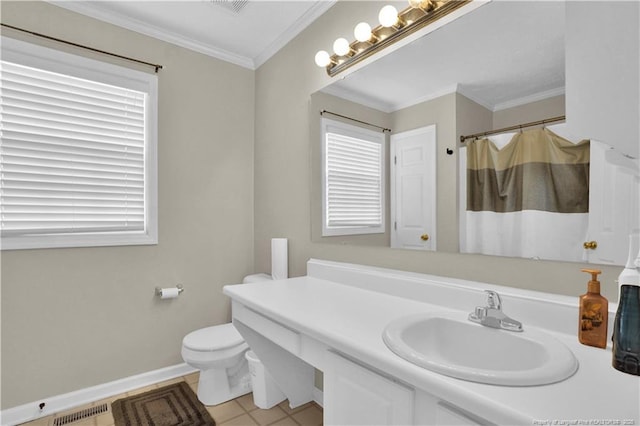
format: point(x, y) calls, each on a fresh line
point(332, 321)
point(356, 395)
point(448, 415)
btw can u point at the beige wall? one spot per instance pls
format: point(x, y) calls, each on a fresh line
point(534, 111)
point(73, 318)
point(283, 179)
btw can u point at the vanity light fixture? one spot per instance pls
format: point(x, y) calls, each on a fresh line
point(393, 26)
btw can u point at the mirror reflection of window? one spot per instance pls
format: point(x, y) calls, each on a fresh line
point(353, 179)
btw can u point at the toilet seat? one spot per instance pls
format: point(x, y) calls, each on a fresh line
point(219, 353)
point(214, 338)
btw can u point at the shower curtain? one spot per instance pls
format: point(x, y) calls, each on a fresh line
point(528, 199)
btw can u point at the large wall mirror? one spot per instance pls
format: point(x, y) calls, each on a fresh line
point(500, 65)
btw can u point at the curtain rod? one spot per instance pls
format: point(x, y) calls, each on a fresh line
point(519, 126)
point(156, 66)
point(384, 129)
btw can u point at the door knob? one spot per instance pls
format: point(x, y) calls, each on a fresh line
point(424, 237)
point(590, 245)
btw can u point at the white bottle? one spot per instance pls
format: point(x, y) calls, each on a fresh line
point(630, 275)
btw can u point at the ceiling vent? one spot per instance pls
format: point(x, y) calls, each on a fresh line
point(234, 6)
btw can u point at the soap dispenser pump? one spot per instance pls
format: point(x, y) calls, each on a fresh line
point(594, 312)
point(626, 328)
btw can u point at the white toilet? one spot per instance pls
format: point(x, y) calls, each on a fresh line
point(219, 353)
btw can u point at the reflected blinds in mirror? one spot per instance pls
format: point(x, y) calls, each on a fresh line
point(353, 179)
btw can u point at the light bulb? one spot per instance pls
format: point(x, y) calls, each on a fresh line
point(322, 58)
point(388, 16)
point(341, 46)
point(362, 32)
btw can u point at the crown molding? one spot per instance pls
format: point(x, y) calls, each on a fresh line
point(528, 99)
point(512, 103)
point(358, 98)
point(393, 107)
point(482, 102)
point(298, 26)
point(92, 10)
point(425, 98)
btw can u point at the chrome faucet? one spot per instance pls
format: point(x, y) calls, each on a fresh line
point(492, 315)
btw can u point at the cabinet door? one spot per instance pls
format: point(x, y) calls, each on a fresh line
point(355, 395)
point(452, 416)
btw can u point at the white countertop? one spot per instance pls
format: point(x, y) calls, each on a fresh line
point(351, 320)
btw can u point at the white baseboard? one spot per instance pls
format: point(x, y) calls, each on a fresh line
point(67, 401)
point(318, 397)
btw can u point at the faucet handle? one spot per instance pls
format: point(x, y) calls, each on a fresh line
point(478, 315)
point(493, 300)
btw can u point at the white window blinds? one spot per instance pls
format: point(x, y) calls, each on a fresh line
point(354, 180)
point(72, 157)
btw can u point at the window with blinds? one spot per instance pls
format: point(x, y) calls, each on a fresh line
point(353, 181)
point(75, 152)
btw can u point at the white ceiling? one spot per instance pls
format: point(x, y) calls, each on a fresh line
point(247, 38)
point(502, 54)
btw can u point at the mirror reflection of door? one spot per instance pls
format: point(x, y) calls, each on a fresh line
point(413, 189)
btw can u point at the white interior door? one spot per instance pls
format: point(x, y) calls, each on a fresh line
point(614, 197)
point(413, 189)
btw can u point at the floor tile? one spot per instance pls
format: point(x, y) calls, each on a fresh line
point(266, 417)
point(142, 390)
point(109, 401)
point(105, 419)
point(287, 409)
point(225, 411)
point(43, 421)
point(192, 378)
point(194, 387)
point(243, 420)
point(247, 402)
point(287, 421)
point(171, 382)
point(310, 416)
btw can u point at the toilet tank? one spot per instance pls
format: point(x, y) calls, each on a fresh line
point(256, 278)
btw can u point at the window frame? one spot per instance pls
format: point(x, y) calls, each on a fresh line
point(328, 125)
point(56, 61)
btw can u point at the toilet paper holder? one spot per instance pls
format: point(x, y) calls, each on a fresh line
point(159, 290)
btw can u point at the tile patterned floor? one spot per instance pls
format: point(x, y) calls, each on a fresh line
point(238, 412)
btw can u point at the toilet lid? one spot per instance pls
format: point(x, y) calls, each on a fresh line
point(213, 338)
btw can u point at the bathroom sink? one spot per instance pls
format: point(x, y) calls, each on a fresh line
point(449, 344)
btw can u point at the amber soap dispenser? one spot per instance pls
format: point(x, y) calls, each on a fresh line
point(594, 312)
